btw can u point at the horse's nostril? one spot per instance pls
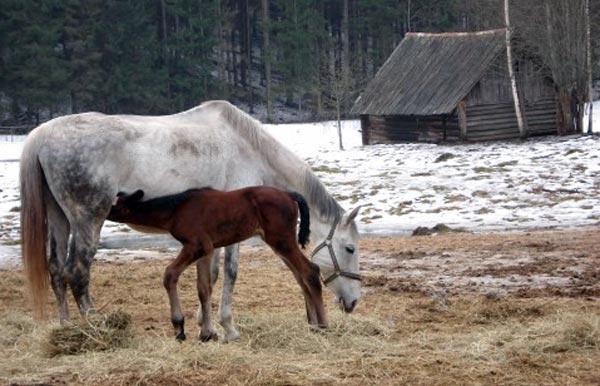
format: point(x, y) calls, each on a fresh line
point(349, 307)
point(352, 305)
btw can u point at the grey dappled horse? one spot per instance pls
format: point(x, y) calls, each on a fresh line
point(72, 168)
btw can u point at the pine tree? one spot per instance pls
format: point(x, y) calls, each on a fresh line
point(132, 80)
point(32, 73)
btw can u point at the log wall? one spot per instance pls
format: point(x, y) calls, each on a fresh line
point(394, 129)
point(484, 123)
point(498, 121)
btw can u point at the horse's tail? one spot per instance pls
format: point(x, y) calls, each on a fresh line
point(304, 231)
point(33, 224)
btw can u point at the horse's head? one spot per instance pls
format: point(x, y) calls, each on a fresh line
point(338, 258)
point(122, 209)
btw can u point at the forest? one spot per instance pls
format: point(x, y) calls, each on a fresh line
point(280, 60)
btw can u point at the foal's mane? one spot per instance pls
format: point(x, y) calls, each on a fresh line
point(295, 171)
point(169, 202)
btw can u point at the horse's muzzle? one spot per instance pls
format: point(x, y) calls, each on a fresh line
point(348, 308)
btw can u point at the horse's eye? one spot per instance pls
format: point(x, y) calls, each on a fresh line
point(350, 249)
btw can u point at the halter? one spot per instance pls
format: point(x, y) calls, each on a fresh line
point(336, 267)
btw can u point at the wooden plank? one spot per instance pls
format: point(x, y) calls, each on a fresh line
point(365, 125)
point(462, 118)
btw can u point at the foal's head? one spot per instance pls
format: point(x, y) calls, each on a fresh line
point(123, 208)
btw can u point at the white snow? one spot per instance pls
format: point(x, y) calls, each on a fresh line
point(542, 182)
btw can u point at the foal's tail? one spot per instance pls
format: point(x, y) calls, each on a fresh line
point(34, 223)
point(304, 231)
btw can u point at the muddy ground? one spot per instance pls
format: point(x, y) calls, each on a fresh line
point(508, 308)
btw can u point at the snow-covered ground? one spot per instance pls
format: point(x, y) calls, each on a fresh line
point(543, 182)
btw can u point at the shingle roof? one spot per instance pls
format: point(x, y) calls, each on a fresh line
point(428, 74)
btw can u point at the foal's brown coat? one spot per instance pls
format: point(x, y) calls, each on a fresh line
point(205, 219)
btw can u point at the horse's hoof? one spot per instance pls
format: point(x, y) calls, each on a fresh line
point(318, 328)
point(180, 337)
point(208, 337)
point(231, 336)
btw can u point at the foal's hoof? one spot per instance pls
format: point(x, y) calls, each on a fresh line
point(180, 337)
point(208, 337)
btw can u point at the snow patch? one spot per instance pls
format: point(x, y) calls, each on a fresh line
point(541, 182)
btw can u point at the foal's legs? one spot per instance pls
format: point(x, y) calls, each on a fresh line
point(204, 285)
point(306, 274)
point(214, 274)
point(189, 253)
point(230, 268)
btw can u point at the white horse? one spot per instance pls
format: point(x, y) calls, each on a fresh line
point(72, 168)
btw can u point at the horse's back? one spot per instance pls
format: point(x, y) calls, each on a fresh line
point(93, 154)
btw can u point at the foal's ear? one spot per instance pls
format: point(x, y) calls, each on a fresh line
point(136, 196)
point(124, 198)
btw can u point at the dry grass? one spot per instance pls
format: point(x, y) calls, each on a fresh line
point(394, 338)
point(96, 333)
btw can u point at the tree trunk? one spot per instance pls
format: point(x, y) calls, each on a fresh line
point(249, 57)
point(565, 118)
point(267, 56)
point(243, 28)
point(511, 73)
point(588, 50)
point(345, 49)
point(339, 121)
point(163, 17)
point(234, 60)
point(408, 15)
point(222, 54)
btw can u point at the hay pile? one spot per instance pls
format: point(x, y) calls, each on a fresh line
point(97, 333)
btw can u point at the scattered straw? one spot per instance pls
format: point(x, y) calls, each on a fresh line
point(97, 333)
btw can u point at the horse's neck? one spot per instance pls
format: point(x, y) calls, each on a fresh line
point(282, 168)
point(319, 229)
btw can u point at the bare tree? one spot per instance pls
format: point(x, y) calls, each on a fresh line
point(267, 56)
point(345, 43)
point(554, 30)
point(588, 39)
point(511, 73)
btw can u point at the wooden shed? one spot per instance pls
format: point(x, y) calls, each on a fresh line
point(453, 86)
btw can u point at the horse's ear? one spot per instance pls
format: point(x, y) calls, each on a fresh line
point(352, 215)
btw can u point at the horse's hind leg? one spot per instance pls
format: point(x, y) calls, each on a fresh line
point(58, 233)
point(82, 248)
point(230, 268)
point(204, 285)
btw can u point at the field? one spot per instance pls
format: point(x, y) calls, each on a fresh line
point(515, 302)
point(508, 308)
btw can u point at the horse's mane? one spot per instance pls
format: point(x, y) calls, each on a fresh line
point(297, 173)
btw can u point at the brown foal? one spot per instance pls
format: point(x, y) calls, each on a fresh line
point(205, 219)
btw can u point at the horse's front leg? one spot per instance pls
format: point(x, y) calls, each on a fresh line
point(230, 268)
point(204, 285)
point(170, 279)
